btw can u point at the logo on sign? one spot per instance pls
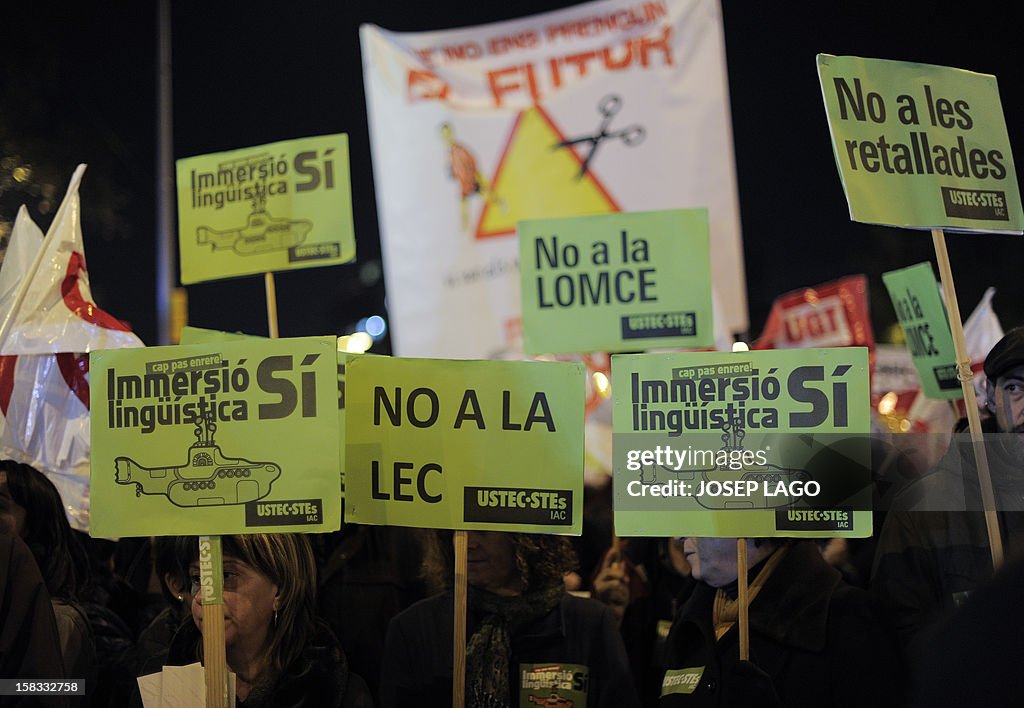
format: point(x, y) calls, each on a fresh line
point(207, 580)
point(814, 519)
point(505, 505)
point(663, 324)
point(946, 377)
point(821, 324)
point(314, 252)
point(284, 513)
point(975, 204)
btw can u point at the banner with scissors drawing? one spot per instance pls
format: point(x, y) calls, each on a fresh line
point(601, 108)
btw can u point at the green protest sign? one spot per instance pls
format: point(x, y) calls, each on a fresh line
point(616, 282)
point(766, 443)
point(553, 684)
point(266, 208)
point(915, 296)
point(343, 358)
point(472, 445)
point(217, 438)
point(920, 146)
point(198, 335)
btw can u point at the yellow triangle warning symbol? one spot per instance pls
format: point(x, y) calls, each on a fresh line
point(535, 179)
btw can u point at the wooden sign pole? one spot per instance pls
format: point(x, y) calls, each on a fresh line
point(741, 568)
point(742, 599)
point(214, 650)
point(268, 285)
point(964, 373)
point(459, 629)
point(211, 577)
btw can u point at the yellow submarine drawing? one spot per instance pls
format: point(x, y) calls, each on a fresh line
point(208, 477)
point(732, 438)
point(552, 701)
point(262, 233)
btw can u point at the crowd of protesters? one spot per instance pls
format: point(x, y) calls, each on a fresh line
point(365, 616)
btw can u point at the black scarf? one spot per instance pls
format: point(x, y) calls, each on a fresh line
point(489, 649)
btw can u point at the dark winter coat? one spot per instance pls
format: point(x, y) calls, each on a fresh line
point(647, 620)
point(29, 643)
point(928, 562)
point(417, 667)
point(370, 576)
point(976, 657)
point(318, 679)
point(814, 641)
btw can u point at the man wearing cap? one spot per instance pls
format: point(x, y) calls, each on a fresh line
point(933, 550)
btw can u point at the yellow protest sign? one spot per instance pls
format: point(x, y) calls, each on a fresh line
point(266, 208)
point(486, 445)
point(217, 438)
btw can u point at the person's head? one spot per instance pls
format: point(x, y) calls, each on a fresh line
point(1004, 369)
point(12, 514)
point(508, 563)
point(491, 563)
point(675, 555)
point(167, 552)
point(269, 596)
point(713, 560)
point(31, 507)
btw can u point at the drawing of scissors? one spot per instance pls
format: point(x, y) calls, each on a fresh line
point(607, 107)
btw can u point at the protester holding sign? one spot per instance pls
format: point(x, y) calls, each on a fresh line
point(813, 639)
point(934, 549)
point(530, 642)
point(281, 654)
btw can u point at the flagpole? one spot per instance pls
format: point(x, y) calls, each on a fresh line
point(19, 297)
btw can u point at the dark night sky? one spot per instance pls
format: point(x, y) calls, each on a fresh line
point(79, 86)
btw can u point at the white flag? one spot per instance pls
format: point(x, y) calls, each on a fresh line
point(56, 312)
point(982, 330)
point(51, 320)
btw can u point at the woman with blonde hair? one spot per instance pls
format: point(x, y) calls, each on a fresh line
point(281, 654)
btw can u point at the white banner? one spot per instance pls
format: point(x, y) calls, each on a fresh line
point(604, 107)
